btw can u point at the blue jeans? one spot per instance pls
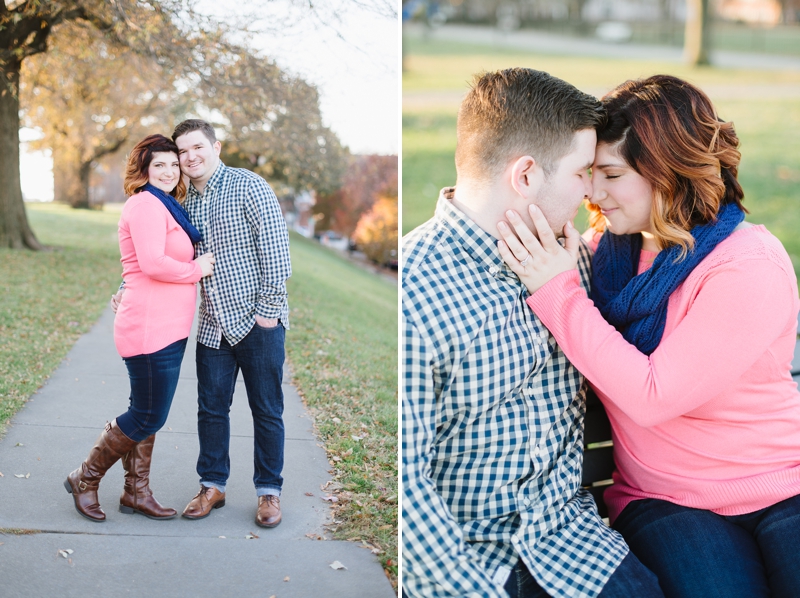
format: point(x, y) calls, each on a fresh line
point(630, 580)
point(260, 357)
point(154, 378)
point(699, 553)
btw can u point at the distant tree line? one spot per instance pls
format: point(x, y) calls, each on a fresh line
point(94, 76)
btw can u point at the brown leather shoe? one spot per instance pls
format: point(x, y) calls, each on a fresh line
point(84, 481)
point(205, 500)
point(136, 494)
point(269, 511)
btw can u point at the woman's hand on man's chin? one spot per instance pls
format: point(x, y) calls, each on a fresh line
point(536, 261)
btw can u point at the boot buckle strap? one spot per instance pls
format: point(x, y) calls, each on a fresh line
point(82, 485)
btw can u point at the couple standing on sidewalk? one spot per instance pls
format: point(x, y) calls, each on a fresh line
point(231, 220)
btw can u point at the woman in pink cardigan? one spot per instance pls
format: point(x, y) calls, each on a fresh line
point(687, 339)
point(151, 326)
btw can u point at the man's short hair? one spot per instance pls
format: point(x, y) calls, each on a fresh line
point(195, 124)
point(518, 112)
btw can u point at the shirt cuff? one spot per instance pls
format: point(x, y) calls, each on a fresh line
point(265, 310)
point(547, 301)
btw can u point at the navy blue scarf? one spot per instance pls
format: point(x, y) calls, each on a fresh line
point(177, 211)
point(637, 304)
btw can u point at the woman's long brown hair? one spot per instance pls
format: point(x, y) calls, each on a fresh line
point(139, 160)
point(668, 131)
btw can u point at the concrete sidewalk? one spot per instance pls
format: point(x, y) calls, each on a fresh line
point(130, 554)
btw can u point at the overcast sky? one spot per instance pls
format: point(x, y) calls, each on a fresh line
point(352, 58)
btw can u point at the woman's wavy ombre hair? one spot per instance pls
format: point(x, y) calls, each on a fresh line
point(668, 131)
point(139, 160)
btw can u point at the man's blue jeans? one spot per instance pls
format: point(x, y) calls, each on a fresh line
point(260, 357)
point(630, 580)
point(697, 553)
point(154, 378)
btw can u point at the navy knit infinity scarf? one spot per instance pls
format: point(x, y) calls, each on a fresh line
point(177, 211)
point(637, 304)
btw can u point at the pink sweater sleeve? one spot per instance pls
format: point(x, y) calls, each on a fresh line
point(738, 312)
point(148, 227)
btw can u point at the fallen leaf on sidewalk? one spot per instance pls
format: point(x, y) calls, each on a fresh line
point(223, 537)
point(19, 444)
point(337, 565)
point(251, 536)
point(1, 475)
point(307, 493)
point(65, 552)
point(330, 498)
point(286, 578)
point(22, 475)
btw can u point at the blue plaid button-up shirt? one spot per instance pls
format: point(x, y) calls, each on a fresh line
point(242, 223)
point(492, 435)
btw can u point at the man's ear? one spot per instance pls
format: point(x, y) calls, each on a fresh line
point(526, 176)
point(217, 147)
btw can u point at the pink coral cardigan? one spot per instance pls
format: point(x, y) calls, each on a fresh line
point(710, 420)
point(160, 275)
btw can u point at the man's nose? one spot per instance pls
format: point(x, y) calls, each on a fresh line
point(589, 190)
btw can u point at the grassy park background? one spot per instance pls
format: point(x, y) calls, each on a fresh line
point(342, 348)
point(764, 106)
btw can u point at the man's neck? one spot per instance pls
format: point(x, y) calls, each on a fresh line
point(483, 203)
point(200, 184)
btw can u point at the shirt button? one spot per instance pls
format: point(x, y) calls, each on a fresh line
point(527, 502)
point(494, 270)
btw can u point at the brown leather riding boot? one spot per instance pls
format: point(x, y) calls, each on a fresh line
point(84, 481)
point(136, 495)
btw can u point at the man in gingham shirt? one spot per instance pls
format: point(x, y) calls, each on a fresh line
point(242, 320)
point(492, 428)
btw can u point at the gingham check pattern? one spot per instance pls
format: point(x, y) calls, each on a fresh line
point(242, 224)
point(492, 434)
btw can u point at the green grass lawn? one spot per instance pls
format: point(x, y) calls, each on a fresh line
point(342, 348)
point(769, 127)
point(50, 298)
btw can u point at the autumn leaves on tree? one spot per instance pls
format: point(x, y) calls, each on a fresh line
point(93, 76)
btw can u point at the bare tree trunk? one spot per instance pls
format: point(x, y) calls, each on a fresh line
point(71, 178)
point(81, 197)
point(696, 43)
point(15, 232)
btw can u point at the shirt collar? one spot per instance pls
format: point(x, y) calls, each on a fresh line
point(212, 182)
point(476, 242)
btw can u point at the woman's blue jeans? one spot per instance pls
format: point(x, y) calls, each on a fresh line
point(630, 580)
point(260, 357)
point(697, 553)
point(154, 378)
